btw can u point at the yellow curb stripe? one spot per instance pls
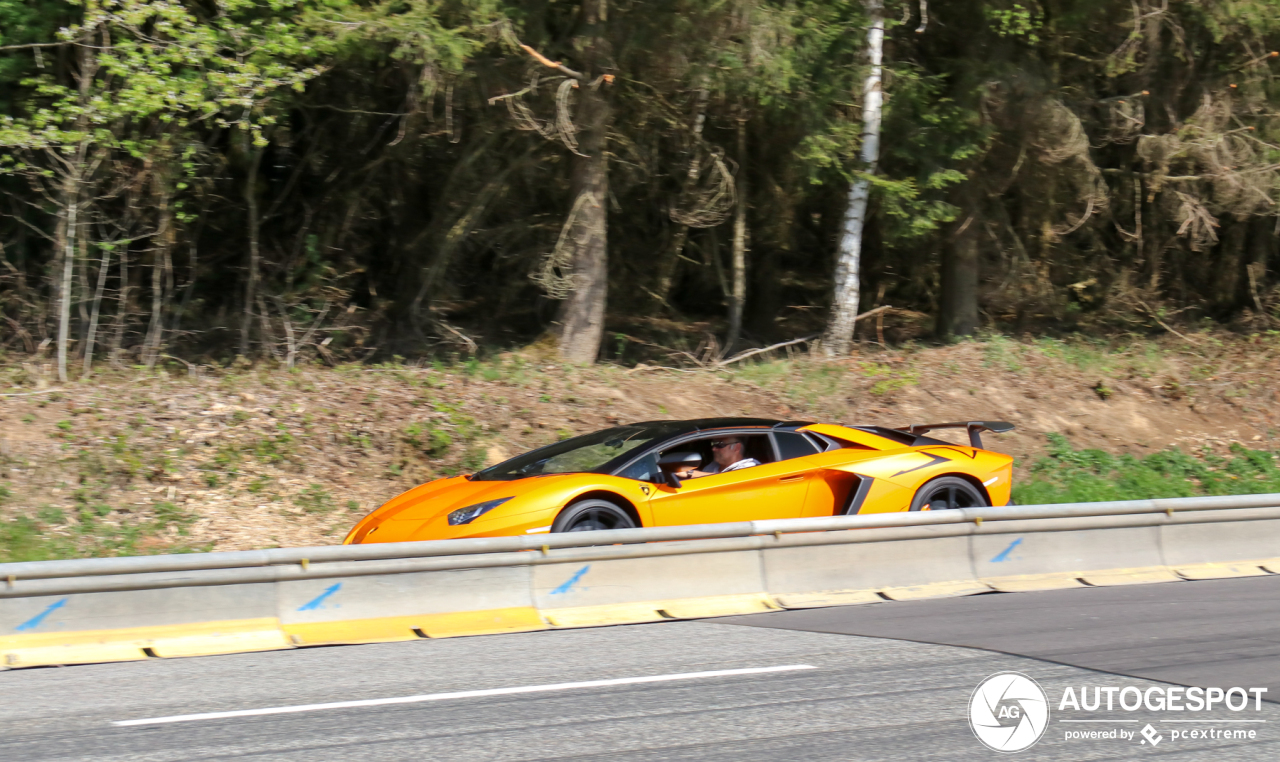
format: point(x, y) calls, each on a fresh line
point(1140, 576)
point(934, 590)
point(127, 644)
point(391, 629)
point(654, 611)
point(827, 598)
point(1222, 571)
point(1027, 583)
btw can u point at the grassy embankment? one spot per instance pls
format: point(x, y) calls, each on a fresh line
point(1067, 475)
point(131, 462)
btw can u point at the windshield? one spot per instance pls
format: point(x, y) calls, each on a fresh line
point(588, 453)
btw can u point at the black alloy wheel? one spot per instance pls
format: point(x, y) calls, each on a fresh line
point(948, 492)
point(592, 516)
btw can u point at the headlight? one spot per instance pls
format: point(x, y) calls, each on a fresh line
point(473, 512)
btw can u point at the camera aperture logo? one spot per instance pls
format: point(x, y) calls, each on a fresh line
point(1008, 712)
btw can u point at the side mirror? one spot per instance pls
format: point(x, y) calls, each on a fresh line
point(671, 479)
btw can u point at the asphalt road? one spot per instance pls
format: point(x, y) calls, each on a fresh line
point(864, 699)
point(1206, 633)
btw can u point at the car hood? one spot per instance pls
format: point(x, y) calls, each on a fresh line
point(443, 496)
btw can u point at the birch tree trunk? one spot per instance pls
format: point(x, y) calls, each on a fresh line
point(71, 196)
point(161, 287)
point(73, 175)
point(582, 313)
point(838, 338)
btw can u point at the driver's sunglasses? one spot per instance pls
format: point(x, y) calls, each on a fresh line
point(718, 445)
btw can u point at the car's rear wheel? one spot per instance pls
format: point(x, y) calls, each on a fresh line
point(948, 492)
point(591, 516)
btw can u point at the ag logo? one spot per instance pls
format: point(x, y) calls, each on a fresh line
point(1008, 712)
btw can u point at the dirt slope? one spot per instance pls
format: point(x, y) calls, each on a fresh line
point(228, 459)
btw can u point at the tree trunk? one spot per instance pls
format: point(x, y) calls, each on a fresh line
point(669, 265)
point(958, 313)
point(1224, 281)
point(72, 188)
point(738, 297)
point(452, 230)
point(82, 285)
point(92, 334)
point(844, 302)
point(192, 273)
point(161, 265)
point(582, 313)
point(122, 307)
point(70, 225)
point(1262, 239)
point(251, 279)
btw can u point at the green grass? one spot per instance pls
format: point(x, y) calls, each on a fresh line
point(315, 499)
point(24, 539)
point(1068, 475)
point(815, 385)
point(30, 538)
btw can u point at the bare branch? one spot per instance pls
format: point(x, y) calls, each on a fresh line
point(30, 45)
point(752, 352)
point(553, 64)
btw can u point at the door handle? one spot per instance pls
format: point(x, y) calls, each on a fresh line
point(791, 478)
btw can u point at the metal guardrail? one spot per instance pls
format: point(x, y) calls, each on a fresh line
point(12, 573)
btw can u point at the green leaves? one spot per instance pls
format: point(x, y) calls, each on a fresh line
point(146, 65)
point(1017, 21)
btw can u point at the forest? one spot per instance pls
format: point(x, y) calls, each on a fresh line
point(331, 181)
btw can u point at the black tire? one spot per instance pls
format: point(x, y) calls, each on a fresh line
point(948, 492)
point(591, 516)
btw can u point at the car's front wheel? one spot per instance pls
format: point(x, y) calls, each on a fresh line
point(948, 492)
point(591, 516)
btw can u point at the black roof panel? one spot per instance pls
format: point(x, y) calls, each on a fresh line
point(702, 424)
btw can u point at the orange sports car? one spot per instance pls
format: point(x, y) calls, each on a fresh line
point(663, 473)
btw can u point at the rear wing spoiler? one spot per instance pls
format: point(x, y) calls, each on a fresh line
point(975, 428)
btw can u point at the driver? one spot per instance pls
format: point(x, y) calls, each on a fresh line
point(727, 453)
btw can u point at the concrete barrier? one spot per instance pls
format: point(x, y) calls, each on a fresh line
point(1239, 548)
point(934, 564)
point(1022, 557)
point(370, 609)
point(95, 627)
point(143, 608)
point(617, 591)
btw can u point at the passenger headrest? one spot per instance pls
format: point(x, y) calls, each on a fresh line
point(680, 459)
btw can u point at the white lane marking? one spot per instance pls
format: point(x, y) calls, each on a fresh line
point(991, 481)
point(535, 530)
point(464, 694)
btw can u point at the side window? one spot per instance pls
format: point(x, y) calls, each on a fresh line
point(645, 469)
point(827, 444)
point(793, 445)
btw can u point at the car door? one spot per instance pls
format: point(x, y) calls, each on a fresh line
point(768, 491)
point(825, 490)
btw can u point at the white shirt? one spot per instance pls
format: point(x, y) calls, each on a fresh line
point(715, 468)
